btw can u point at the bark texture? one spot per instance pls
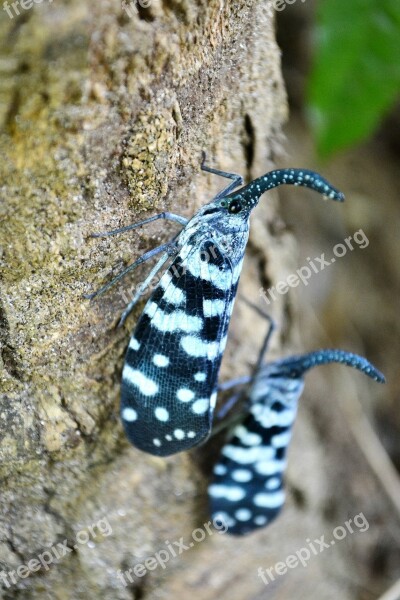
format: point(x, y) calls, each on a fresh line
point(105, 116)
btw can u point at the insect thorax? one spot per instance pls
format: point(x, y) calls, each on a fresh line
point(229, 235)
point(269, 390)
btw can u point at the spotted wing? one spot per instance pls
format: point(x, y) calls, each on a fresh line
point(247, 488)
point(172, 362)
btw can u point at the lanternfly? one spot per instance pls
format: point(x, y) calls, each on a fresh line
point(169, 379)
point(247, 489)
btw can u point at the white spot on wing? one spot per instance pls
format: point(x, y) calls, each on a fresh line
point(281, 440)
point(146, 386)
point(200, 406)
point(134, 344)
point(179, 434)
point(260, 520)
point(220, 278)
point(243, 514)
point(200, 376)
point(220, 469)
point(185, 395)
point(232, 493)
point(212, 308)
point(242, 475)
point(247, 456)
point(269, 418)
point(178, 320)
point(172, 293)
point(160, 360)
point(194, 346)
point(224, 518)
point(247, 437)
point(272, 500)
point(161, 413)
point(270, 467)
point(213, 399)
point(272, 483)
point(129, 414)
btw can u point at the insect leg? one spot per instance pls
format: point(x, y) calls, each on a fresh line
point(264, 347)
point(144, 284)
point(227, 385)
point(131, 267)
point(272, 327)
point(231, 402)
point(231, 421)
point(237, 179)
point(164, 215)
point(247, 378)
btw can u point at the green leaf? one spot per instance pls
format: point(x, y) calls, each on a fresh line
point(356, 73)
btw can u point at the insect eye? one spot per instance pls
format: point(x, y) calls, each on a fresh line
point(235, 207)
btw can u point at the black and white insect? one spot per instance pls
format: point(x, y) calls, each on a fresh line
point(169, 379)
point(246, 492)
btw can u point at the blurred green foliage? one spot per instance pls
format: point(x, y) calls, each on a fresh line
point(356, 73)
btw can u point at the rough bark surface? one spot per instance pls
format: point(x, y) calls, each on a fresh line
point(105, 117)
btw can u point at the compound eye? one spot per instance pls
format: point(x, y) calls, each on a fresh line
point(235, 207)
